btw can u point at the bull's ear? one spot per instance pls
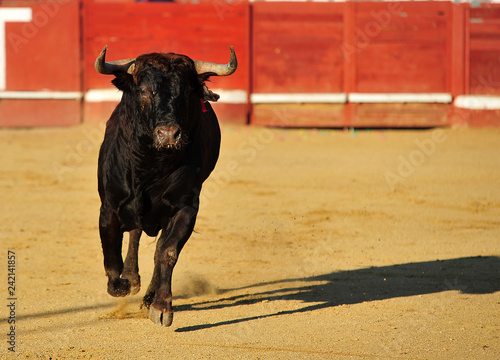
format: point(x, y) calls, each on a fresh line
point(123, 81)
point(208, 95)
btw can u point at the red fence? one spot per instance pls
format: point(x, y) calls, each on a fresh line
point(402, 48)
point(40, 78)
point(360, 64)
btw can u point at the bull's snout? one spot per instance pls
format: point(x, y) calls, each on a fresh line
point(167, 137)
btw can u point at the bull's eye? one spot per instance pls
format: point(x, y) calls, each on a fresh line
point(143, 92)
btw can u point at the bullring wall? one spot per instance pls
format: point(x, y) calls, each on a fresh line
point(322, 64)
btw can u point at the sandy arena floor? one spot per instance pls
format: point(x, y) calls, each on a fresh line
point(310, 244)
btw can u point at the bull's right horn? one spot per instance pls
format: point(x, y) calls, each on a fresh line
point(113, 67)
point(218, 69)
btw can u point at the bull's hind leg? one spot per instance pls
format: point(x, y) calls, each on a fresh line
point(111, 241)
point(158, 298)
point(131, 266)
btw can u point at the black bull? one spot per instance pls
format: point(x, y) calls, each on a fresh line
point(161, 143)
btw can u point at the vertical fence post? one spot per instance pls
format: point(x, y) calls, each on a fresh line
point(350, 58)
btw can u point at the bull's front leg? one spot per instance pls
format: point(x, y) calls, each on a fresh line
point(158, 297)
point(111, 241)
point(131, 266)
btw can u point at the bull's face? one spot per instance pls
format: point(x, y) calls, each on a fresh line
point(164, 93)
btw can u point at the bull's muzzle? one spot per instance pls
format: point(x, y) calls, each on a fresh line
point(168, 137)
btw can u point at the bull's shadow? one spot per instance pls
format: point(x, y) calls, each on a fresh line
point(471, 275)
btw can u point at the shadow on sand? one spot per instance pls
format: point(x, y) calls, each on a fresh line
point(471, 275)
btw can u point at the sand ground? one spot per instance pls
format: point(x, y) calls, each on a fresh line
point(309, 244)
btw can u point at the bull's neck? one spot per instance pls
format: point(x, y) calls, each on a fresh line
point(150, 160)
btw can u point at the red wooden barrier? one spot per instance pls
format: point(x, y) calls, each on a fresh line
point(485, 50)
point(40, 63)
point(345, 52)
point(297, 48)
point(309, 63)
point(401, 47)
point(481, 105)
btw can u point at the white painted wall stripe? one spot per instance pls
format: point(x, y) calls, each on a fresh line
point(304, 98)
point(9, 15)
point(443, 98)
point(340, 98)
point(477, 102)
point(101, 95)
point(41, 95)
point(231, 96)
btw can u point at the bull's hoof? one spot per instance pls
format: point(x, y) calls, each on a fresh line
point(119, 287)
point(135, 285)
point(160, 318)
point(134, 289)
point(135, 282)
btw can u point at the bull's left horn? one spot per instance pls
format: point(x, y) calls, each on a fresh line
point(218, 69)
point(113, 67)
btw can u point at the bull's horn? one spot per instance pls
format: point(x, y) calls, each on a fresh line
point(112, 67)
point(218, 69)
